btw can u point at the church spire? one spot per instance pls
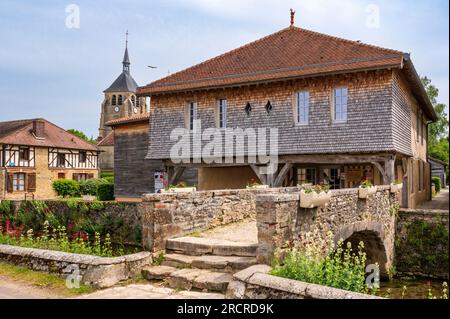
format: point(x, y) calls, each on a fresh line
point(126, 59)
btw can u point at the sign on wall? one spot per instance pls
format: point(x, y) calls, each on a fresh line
point(159, 181)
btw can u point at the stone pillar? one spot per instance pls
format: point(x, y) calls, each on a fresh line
point(146, 209)
point(276, 216)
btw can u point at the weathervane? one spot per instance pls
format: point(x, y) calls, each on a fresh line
point(126, 41)
point(292, 17)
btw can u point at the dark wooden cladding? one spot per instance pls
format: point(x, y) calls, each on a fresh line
point(134, 175)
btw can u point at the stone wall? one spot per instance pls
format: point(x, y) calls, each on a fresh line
point(280, 219)
point(422, 243)
point(255, 283)
point(173, 215)
point(99, 272)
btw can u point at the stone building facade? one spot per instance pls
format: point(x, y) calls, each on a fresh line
point(345, 112)
point(34, 153)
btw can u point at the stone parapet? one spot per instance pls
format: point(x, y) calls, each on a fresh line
point(99, 272)
point(256, 283)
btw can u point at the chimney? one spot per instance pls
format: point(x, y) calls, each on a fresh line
point(39, 128)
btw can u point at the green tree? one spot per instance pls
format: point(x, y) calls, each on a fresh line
point(438, 138)
point(82, 136)
point(439, 130)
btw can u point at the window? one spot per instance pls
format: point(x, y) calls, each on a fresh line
point(133, 100)
point(411, 176)
point(114, 100)
point(19, 182)
point(24, 154)
point(191, 115)
point(83, 157)
point(306, 176)
point(418, 127)
point(61, 175)
point(424, 132)
point(222, 113)
point(340, 104)
point(82, 176)
point(120, 100)
point(303, 107)
point(61, 160)
point(421, 179)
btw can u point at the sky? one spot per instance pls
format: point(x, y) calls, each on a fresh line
point(55, 64)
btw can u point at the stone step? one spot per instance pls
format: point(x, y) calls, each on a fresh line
point(206, 280)
point(198, 246)
point(212, 262)
point(157, 272)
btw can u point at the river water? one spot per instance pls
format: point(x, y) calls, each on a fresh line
point(415, 288)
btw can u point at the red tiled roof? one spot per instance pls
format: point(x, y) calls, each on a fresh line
point(129, 119)
point(21, 133)
point(289, 53)
point(108, 140)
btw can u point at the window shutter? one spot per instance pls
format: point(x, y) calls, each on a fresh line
point(31, 182)
point(75, 177)
point(295, 107)
point(90, 176)
point(9, 182)
point(187, 116)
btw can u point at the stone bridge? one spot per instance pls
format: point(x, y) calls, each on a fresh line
point(281, 219)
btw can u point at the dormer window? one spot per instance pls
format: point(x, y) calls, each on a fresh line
point(114, 100)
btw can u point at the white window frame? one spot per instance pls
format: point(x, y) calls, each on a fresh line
point(19, 182)
point(191, 115)
point(303, 102)
point(338, 100)
point(221, 113)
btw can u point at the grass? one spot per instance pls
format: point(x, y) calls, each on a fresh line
point(50, 282)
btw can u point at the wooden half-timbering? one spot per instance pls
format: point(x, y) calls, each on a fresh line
point(17, 156)
point(73, 159)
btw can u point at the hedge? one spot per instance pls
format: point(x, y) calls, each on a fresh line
point(66, 188)
point(437, 183)
point(105, 192)
point(90, 186)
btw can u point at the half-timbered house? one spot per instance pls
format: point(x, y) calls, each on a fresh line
point(34, 153)
point(345, 112)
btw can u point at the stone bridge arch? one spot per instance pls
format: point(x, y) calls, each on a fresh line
point(376, 245)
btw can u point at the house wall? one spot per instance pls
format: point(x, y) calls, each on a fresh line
point(106, 158)
point(2, 183)
point(213, 178)
point(44, 176)
point(369, 126)
point(408, 110)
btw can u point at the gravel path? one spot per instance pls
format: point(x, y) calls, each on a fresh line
point(10, 289)
point(439, 202)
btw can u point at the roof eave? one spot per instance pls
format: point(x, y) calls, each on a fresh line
point(422, 93)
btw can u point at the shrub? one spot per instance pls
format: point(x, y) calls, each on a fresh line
point(109, 179)
point(5, 207)
point(106, 174)
point(66, 187)
point(105, 192)
point(437, 183)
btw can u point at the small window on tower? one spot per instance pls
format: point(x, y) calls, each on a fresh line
point(133, 100)
point(114, 100)
point(120, 100)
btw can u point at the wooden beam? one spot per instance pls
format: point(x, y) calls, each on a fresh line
point(261, 177)
point(282, 175)
point(332, 159)
point(380, 168)
point(177, 172)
